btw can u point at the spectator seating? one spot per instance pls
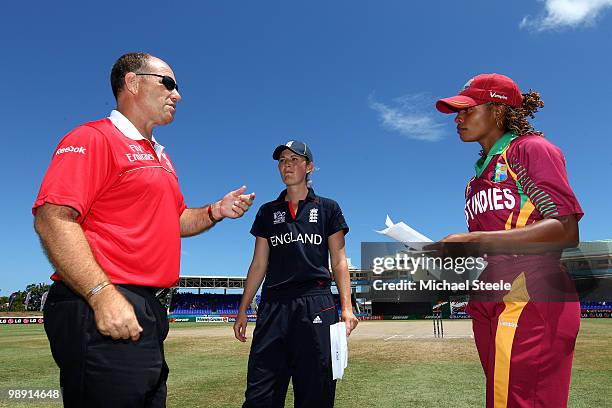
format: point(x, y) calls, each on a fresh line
point(207, 304)
point(596, 306)
point(212, 304)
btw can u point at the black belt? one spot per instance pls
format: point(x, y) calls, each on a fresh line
point(144, 291)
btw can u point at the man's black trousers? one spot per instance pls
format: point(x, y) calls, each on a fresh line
point(291, 340)
point(97, 371)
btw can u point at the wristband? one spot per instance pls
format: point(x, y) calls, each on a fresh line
point(210, 215)
point(96, 289)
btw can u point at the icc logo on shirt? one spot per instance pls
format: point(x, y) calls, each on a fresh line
point(279, 217)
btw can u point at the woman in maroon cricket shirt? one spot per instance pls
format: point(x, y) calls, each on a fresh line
point(519, 194)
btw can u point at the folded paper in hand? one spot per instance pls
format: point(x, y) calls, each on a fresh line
point(339, 349)
point(404, 233)
point(415, 241)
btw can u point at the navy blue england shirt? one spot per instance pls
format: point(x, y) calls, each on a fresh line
point(299, 253)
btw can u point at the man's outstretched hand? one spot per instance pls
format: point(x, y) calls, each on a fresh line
point(235, 203)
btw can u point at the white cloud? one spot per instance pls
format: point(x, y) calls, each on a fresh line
point(411, 116)
point(566, 13)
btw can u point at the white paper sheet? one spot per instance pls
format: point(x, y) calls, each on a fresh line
point(339, 349)
point(415, 241)
point(405, 234)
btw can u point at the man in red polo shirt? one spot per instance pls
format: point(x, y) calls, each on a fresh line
point(110, 216)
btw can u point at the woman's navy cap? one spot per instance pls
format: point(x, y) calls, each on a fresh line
point(296, 147)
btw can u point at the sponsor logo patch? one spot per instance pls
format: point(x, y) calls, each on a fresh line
point(139, 154)
point(317, 320)
point(498, 96)
point(279, 217)
point(71, 149)
point(508, 324)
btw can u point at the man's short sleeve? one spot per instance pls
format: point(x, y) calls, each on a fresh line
point(258, 229)
point(182, 205)
point(541, 172)
point(336, 221)
point(81, 167)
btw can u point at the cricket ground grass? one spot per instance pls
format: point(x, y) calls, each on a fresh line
point(391, 364)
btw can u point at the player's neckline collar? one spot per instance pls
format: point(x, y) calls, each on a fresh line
point(311, 196)
point(499, 146)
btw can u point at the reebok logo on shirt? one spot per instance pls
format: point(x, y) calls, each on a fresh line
point(71, 149)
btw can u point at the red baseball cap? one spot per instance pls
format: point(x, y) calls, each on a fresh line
point(481, 89)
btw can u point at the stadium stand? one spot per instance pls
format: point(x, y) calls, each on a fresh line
point(596, 306)
point(207, 304)
point(211, 304)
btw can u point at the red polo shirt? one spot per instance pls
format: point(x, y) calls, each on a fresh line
point(128, 198)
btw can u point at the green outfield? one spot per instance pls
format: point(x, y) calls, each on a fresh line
point(392, 364)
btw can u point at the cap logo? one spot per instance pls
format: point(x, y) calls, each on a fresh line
point(289, 143)
point(498, 96)
point(467, 85)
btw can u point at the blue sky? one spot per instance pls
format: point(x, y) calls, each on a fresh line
point(355, 79)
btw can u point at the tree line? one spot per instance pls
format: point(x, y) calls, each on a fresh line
point(29, 299)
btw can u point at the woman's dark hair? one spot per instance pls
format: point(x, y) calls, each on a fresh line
point(131, 62)
point(516, 119)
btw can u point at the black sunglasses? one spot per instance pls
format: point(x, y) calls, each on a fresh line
point(165, 81)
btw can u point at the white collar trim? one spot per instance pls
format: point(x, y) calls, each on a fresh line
point(129, 130)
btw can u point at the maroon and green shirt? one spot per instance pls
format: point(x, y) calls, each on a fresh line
point(521, 180)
